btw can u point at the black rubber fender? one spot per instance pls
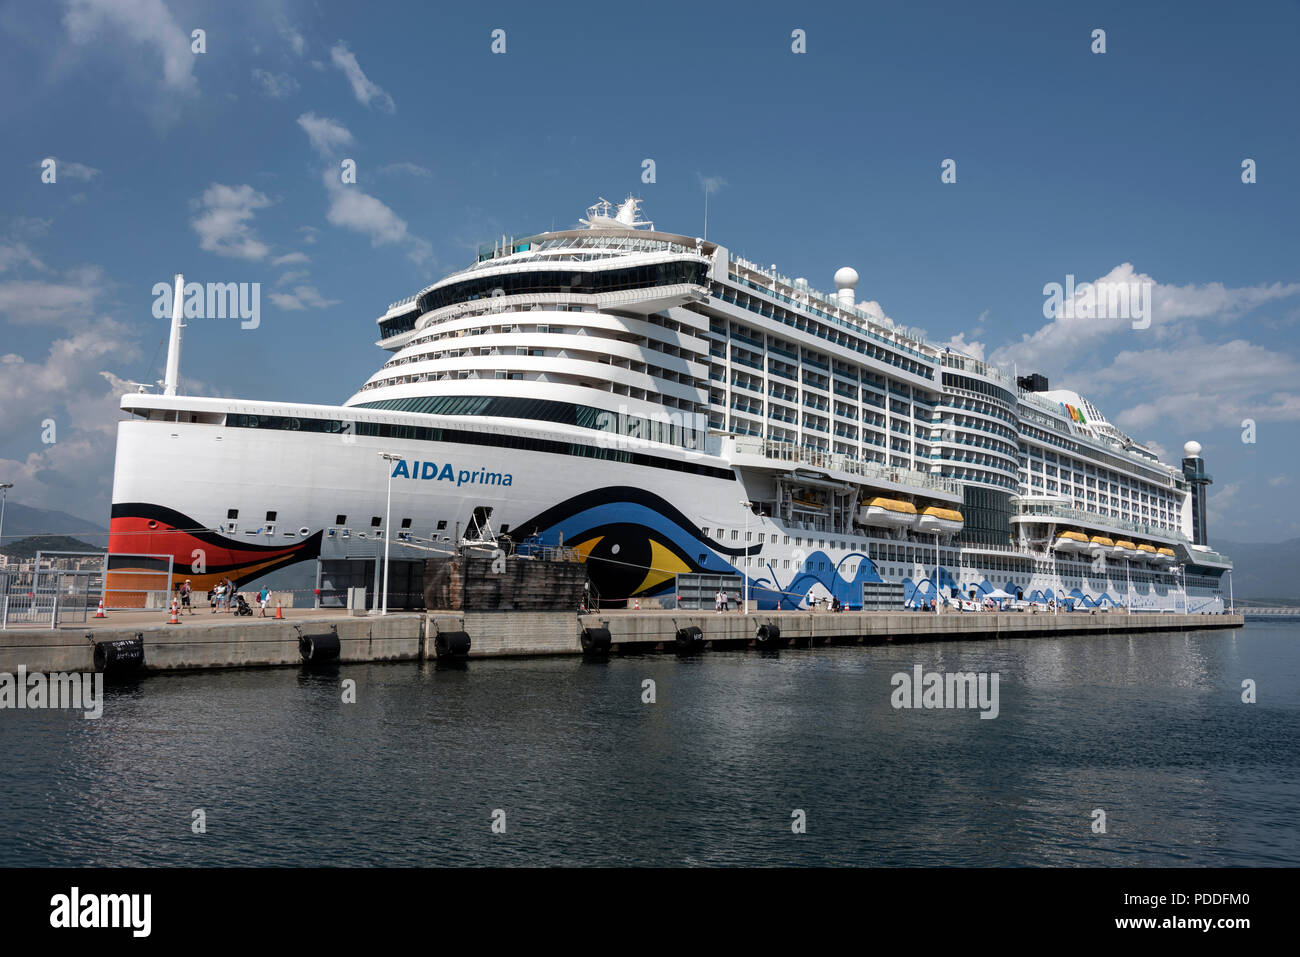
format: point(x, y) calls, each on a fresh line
point(318, 649)
point(595, 640)
point(451, 644)
point(690, 638)
point(123, 656)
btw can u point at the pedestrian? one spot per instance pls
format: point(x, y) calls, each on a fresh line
point(263, 597)
point(216, 593)
point(186, 593)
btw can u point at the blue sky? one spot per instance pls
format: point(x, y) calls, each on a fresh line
point(224, 165)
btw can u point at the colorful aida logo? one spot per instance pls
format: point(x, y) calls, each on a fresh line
point(1075, 414)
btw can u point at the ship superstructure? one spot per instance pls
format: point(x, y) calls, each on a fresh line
point(664, 406)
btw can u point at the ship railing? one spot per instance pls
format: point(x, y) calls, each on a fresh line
point(1080, 515)
point(839, 462)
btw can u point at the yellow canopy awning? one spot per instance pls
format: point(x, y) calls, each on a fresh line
point(947, 514)
point(891, 504)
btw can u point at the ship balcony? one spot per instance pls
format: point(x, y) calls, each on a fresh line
point(1039, 512)
point(770, 455)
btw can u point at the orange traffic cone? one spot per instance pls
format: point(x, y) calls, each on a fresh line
point(174, 619)
point(636, 604)
point(279, 612)
point(100, 612)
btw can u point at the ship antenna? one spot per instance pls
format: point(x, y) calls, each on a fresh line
point(174, 341)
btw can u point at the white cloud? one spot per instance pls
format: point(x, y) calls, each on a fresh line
point(309, 234)
point(224, 221)
point(72, 387)
point(289, 258)
point(18, 254)
point(1278, 481)
point(146, 22)
point(958, 343)
point(367, 92)
point(275, 85)
point(412, 168)
point(710, 184)
point(296, 275)
point(352, 209)
point(1066, 338)
point(70, 300)
point(291, 36)
point(302, 297)
point(326, 135)
point(1202, 385)
point(68, 169)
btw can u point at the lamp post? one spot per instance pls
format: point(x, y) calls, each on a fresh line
point(4, 491)
point(744, 575)
point(1128, 577)
point(388, 511)
point(936, 573)
point(1231, 605)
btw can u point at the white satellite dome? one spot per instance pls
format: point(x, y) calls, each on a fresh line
point(1192, 450)
point(846, 277)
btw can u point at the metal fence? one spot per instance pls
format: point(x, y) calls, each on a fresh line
point(698, 590)
point(48, 596)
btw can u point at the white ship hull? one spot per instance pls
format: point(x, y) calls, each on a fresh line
point(636, 526)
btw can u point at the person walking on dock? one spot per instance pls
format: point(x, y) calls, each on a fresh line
point(263, 597)
point(187, 593)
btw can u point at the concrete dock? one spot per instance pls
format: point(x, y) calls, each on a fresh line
point(204, 641)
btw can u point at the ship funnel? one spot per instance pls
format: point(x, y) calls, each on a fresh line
point(174, 340)
point(846, 281)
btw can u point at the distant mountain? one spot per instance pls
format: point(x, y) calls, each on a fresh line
point(1263, 570)
point(28, 547)
point(23, 520)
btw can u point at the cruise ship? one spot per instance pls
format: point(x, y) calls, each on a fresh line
point(662, 406)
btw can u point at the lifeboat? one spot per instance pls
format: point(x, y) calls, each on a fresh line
point(1100, 545)
point(946, 521)
point(1166, 555)
point(1071, 542)
point(1148, 552)
point(887, 512)
point(1125, 549)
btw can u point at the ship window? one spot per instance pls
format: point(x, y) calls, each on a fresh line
point(375, 521)
point(340, 519)
point(406, 523)
point(442, 525)
point(232, 513)
point(270, 516)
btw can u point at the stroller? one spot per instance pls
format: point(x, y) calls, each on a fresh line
point(241, 605)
